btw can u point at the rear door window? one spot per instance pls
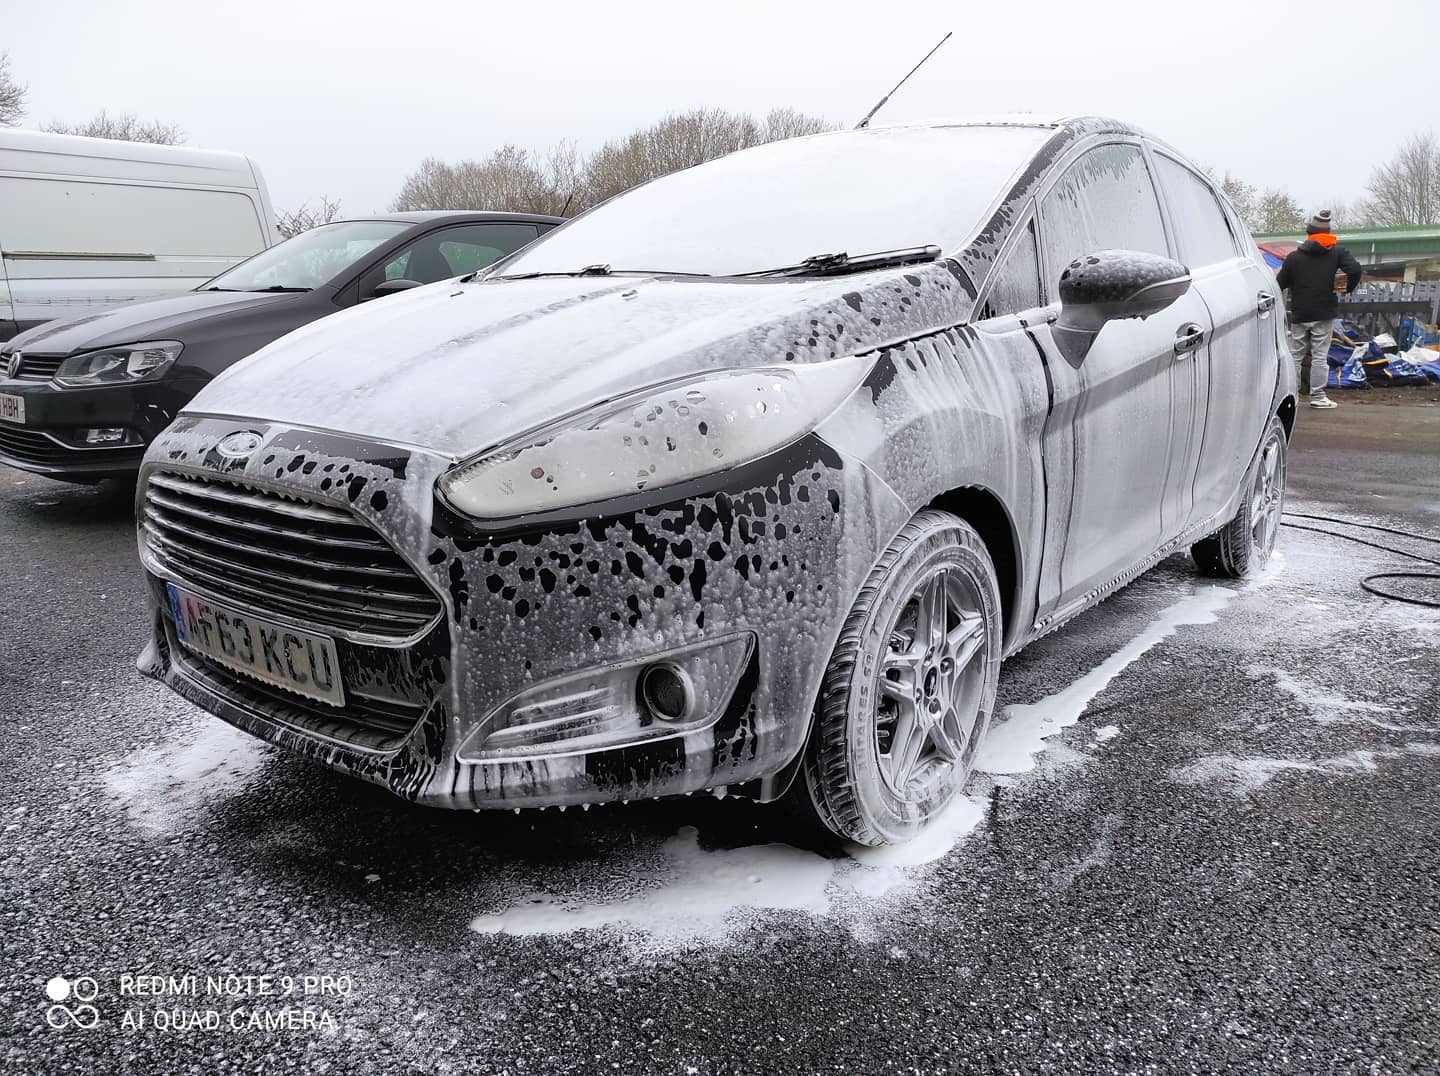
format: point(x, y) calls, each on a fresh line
point(1104, 201)
point(1201, 227)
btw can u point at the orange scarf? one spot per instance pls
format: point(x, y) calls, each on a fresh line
point(1325, 239)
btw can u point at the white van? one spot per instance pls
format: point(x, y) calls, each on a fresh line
point(86, 223)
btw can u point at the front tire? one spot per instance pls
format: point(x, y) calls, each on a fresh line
point(907, 695)
point(1243, 546)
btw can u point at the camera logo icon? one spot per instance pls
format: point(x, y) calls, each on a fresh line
point(79, 992)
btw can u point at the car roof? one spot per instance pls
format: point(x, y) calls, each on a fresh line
point(1050, 121)
point(427, 216)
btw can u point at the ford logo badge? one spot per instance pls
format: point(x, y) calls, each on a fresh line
point(238, 445)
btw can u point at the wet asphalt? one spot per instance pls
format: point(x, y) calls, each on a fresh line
point(1245, 877)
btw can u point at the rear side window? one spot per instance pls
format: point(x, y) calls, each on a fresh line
point(1017, 281)
point(1200, 224)
point(1104, 201)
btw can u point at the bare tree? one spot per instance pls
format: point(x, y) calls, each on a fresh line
point(124, 127)
point(1407, 189)
point(295, 221)
point(12, 94)
point(1243, 197)
point(682, 140)
point(782, 123)
point(511, 179)
point(1277, 211)
point(559, 181)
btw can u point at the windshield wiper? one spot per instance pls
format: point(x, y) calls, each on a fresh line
point(278, 287)
point(841, 263)
point(589, 270)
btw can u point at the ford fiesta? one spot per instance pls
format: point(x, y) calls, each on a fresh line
point(747, 479)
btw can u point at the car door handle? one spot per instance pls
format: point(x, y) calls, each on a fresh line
point(1264, 302)
point(1187, 338)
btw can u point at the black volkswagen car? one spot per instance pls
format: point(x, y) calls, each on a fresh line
point(80, 398)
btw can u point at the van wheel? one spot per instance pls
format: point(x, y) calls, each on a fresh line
point(907, 695)
point(1244, 544)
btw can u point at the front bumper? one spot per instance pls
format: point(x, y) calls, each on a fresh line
point(755, 575)
point(51, 440)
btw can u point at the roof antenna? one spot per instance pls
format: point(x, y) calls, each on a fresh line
point(881, 103)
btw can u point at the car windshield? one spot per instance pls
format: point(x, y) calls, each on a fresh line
point(309, 259)
point(777, 205)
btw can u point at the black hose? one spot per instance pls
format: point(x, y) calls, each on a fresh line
point(1366, 526)
point(1368, 583)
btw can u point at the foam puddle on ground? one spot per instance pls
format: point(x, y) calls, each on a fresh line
point(1243, 775)
point(700, 896)
point(162, 787)
point(1013, 743)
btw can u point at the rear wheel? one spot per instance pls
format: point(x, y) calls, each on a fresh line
point(908, 692)
point(1244, 544)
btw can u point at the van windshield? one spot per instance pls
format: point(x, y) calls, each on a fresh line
point(309, 259)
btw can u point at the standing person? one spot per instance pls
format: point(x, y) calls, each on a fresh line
point(1308, 274)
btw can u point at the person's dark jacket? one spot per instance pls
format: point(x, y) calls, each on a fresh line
point(1308, 273)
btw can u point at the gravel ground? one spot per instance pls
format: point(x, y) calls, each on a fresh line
point(1227, 864)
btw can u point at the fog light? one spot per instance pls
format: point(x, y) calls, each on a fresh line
point(667, 692)
point(610, 706)
point(105, 435)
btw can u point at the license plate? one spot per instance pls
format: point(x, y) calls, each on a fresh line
point(271, 653)
point(12, 408)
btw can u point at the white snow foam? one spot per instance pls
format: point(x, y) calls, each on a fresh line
point(162, 786)
point(692, 897)
point(1012, 743)
point(1249, 774)
point(703, 897)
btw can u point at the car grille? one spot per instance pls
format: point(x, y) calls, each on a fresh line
point(32, 446)
point(38, 367)
point(368, 723)
point(314, 563)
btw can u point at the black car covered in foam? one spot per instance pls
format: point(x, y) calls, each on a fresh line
point(747, 479)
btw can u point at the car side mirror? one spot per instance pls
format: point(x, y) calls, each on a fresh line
point(1107, 286)
point(390, 287)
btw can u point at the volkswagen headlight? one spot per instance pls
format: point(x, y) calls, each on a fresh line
point(119, 365)
point(654, 438)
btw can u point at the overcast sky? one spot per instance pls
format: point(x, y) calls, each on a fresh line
point(344, 99)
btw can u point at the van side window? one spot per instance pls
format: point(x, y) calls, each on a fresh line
point(1016, 284)
point(1104, 201)
point(1201, 225)
point(116, 219)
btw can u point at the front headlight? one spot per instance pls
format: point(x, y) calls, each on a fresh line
point(654, 438)
point(118, 365)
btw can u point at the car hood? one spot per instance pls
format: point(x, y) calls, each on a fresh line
point(459, 367)
point(149, 319)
